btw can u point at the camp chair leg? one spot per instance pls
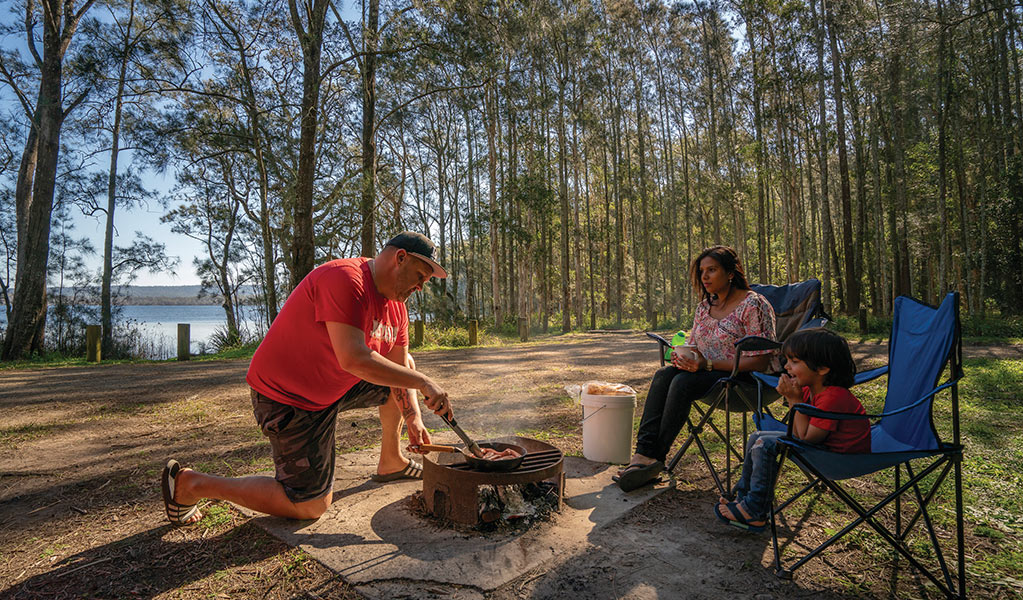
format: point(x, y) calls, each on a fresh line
point(774, 511)
point(706, 421)
point(694, 434)
point(710, 467)
point(813, 483)
point(922, 512)
point(898, 500)
point(728, 445)
point(895, 542)
point(925, 501)
point(867, 516)
point(960, 534)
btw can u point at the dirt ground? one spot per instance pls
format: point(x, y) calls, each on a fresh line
point(81, 450)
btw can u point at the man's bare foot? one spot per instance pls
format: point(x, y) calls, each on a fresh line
point(179, 499)
point(391, 464)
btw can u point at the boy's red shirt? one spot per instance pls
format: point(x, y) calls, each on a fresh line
point(850, 436)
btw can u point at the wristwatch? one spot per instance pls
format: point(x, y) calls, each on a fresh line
point(710, 364)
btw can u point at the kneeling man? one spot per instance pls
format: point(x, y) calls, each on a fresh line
point(340, 342)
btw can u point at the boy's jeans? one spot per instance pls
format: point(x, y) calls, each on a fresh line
point(754, 488)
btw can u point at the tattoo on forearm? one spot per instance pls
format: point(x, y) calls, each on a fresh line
point(405, 403)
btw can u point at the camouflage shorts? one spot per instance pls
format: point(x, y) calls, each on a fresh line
point(302, 441)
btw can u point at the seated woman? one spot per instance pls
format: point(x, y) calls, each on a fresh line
point(729, 311)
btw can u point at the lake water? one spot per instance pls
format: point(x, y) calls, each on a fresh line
point(159, 323)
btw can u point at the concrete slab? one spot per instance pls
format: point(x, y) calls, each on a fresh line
point(373, 538)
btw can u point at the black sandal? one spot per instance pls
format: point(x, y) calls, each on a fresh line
point(635, 478)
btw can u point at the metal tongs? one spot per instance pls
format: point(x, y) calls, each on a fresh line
point(469, 443)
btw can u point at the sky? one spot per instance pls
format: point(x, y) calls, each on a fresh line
point(144, 219)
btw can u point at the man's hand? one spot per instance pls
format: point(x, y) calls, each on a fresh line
point(436, 399)
point(790, 389)
point(417, 434)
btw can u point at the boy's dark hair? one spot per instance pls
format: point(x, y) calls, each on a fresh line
point(818, 347)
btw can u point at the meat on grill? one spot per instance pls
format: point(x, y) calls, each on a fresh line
point(491, 454)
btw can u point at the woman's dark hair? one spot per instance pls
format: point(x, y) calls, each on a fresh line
point(728, 260)
point(818, 348)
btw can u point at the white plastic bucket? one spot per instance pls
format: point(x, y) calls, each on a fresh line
point(607, 427)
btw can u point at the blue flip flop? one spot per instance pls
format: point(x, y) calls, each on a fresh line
point(738, 520)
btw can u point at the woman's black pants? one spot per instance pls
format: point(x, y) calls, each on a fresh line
point(668, 402)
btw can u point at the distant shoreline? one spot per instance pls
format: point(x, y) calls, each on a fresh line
point(161, 295)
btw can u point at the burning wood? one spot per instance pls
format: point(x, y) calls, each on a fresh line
point(490, 504)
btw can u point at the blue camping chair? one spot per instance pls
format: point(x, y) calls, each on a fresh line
point(796, 306)
point(924, 340)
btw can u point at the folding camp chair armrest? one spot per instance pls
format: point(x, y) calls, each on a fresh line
point(661, 344)
point(753, 343)
point(813, 411)
point(861, 377)
point(924, 399)
point(871, 375)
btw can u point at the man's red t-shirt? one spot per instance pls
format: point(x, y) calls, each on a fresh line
point(851, 436)
point(295, 363)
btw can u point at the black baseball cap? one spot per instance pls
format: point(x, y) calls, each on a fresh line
point(421, 247)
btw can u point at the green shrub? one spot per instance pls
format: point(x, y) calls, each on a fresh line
point(990, 326)
point(454, 336)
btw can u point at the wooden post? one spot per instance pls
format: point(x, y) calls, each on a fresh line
point(473, 333)
point(523, 329)
point(93, 351)
point(418, 339)
point(183, 341)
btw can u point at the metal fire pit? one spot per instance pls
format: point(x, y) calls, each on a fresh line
point(451, 485)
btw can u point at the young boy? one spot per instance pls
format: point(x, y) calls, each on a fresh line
point(819, 371)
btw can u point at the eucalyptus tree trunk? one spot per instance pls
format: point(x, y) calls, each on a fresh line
point(648, 306)
point(576, 224)
point(713, 127)
point(760, 160)
point(106, 310)
point(944, 97)
point(852, 284)
point(859, 152)
point(900, 244)
point(495, 218)
point(822, 149)
point(561, 50)
point(367, 203)
point(470, 189)
point(33, 211)
point(310, 37)
point(881, 272)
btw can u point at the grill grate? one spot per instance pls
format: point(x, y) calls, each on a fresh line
point(533, 461)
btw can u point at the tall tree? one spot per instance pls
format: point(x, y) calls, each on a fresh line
point(308, 23)
point(852, 283)
point(38, 171)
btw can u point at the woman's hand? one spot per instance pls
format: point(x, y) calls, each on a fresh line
point(690, 360)
point(789, 389)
